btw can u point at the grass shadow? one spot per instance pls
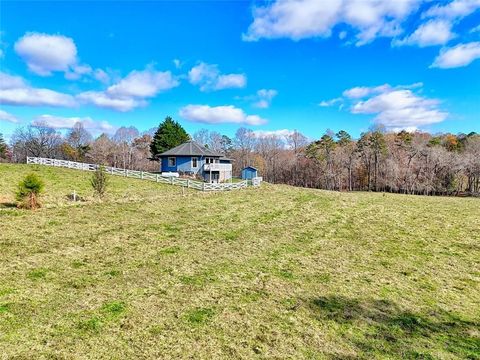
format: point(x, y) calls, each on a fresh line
point(7, 205)
point(382, 328)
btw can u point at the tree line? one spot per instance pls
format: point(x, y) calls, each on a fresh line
point(401, 162)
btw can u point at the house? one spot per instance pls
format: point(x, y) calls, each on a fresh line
point(193, 159)
point(249, 172)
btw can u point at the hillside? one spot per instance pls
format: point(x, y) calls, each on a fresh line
point(276, 272)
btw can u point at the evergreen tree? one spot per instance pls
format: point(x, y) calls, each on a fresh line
point(3, 148)
point(344, 138)
point(28, 192)
point(168, 135)
point(99, 181)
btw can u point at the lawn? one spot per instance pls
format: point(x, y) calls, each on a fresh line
point(269, 272)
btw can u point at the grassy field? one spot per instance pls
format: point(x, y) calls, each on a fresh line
point(273, 272)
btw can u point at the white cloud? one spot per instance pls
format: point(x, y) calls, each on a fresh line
point(131, 91)
point(230, 81)
point(142, 84)
point(219, 115)
point(283, 133)
point(202, 72)
point(15, 91)
point(35, 97)
point(264, 98)
point(104, 100)
point(395, 107)
point(101, 76)
point(363, 91)
point(457, 56)
point(45, 53)
point(77, 71)
point(59, 122)
point(401, 109)
point(433, 32)
point(209, 78)
point(299, 19)
point(454, 9)
point(10, 81)
point(5, 116)
point(328, 103)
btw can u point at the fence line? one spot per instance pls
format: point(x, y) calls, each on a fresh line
point(144, 175)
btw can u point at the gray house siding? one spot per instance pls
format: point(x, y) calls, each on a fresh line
point(220, 170)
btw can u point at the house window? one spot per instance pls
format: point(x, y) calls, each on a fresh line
point(194, 162)
point(172, 162)
point(209, 160)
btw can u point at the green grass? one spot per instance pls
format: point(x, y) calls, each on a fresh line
point(269, 272)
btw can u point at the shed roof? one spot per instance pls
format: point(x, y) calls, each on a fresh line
point(250, 167)
point(190, 148)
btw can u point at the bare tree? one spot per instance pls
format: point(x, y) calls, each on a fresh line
point(297, 142)
point(244, 143)
point(102, 150)
point(124, 137)
point(79, 139)
point(35, 140)
point(215, 141)
point(201, 136)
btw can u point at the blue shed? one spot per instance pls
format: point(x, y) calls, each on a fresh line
point(249, 172)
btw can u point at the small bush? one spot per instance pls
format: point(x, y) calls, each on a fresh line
point(37, 274)
point(99, 181)
point(199, 316)
point(28, 192)
point(114, 308)
point(93, 324)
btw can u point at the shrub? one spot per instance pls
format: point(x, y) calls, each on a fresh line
point(28, 192)
point(99, 181)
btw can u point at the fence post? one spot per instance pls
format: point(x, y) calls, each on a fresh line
point(188, 183)
point(156, 177)
point(141, 175)
point(203, 186)
point(171, 180)
point(125, 172)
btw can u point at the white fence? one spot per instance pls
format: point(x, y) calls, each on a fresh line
point(256, 181)
point(145, 175)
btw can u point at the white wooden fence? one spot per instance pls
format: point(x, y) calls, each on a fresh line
point(198, 185)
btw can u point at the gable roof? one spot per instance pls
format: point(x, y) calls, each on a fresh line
point(190, 148)
point(249, 167)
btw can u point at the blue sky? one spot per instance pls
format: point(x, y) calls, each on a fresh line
point(270, 66)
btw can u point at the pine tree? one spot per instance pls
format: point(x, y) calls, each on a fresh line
point(99, 181)
point(168, 135)
point(3, 148)
point(28, 192)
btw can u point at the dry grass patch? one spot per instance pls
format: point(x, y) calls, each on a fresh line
point(275, 272)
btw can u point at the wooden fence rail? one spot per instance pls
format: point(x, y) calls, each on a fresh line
point(144, 175)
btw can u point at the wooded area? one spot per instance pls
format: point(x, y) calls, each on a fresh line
point(403, 162)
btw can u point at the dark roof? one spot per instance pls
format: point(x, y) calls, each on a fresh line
point(190, 148)
point(226, 158)
point(250, 167)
